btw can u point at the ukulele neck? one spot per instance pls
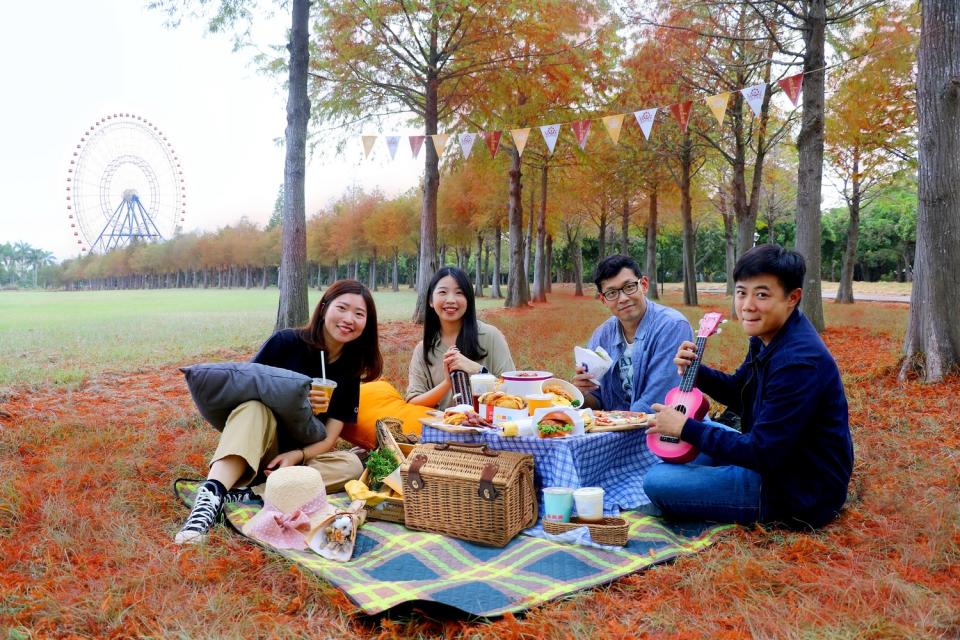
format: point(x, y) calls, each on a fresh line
point(686, 383)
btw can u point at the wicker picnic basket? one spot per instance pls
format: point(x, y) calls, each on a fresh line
point(469, 491)
point(612, 531)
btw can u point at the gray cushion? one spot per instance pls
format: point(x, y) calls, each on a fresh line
point(218, 389)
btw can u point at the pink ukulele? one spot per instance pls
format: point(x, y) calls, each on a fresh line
point(686, 399)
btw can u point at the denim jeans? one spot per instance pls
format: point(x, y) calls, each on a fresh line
point(703, 490)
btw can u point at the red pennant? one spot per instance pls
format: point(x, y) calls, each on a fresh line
point(681, 111)
point(492, 138)
point(580, 129)
point(791, 86)
point(415, 143)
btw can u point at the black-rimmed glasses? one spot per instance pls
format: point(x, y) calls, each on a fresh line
point(629, 289)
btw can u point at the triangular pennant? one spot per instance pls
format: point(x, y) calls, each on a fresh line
point(415, 143)
point(392, 142)
point(466, 143)
point(520, 138)
point(791, 86)
point(580, 129)
point(754, 97)
point(681, 111)
point(645, 120)
point(368, 144)
point(439, 142)
point(492, 138)
point(718, 105)
point(613, 125)
point(550, 133)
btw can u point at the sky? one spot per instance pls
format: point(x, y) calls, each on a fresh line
point(67, 64)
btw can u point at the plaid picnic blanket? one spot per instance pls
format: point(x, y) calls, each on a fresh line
point(392, 565)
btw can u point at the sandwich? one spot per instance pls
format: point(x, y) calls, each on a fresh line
point(561, 396)
point(555, 424)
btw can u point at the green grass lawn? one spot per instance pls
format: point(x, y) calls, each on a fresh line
point(62, 337)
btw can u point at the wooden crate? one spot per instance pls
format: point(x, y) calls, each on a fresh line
point(391, 509)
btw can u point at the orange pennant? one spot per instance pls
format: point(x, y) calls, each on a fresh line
point(368, 144)
point(439, 142)
point(791, 86)
point(681, 111)
point(580, 129)
point(492, 138)
point(613, 125)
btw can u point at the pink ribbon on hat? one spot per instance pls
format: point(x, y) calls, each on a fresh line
point(284, 530)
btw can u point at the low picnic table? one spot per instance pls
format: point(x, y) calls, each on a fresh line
point(615, 460)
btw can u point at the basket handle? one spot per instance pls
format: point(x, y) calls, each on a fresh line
point(531, 497)
point(477, 448)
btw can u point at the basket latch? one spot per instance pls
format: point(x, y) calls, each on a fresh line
point(487, 491)
point(413, 473)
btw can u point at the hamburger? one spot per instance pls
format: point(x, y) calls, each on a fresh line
point(555, 424)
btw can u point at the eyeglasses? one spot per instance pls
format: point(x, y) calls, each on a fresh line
point(629, 289)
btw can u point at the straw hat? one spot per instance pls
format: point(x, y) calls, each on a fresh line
point(294, 504)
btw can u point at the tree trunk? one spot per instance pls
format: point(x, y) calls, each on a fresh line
point(576, 255)
point(932, 343)
point(548, 269)
point(651, 267)
point(602, 230)
point(730, 255)
point(479, 270)
point(625, 227)
point(810, 152)
point(395, 276)
point(292, 310)
point(372, 276)
point(497, 255)
point(427, 262)
point(528, 238)
point(539, 261)
point(517, 294)
point(845, 289)
point(686, 214)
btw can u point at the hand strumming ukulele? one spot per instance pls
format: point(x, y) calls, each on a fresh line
point(686, 399)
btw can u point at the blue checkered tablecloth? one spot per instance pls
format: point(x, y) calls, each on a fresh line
point(615, 460)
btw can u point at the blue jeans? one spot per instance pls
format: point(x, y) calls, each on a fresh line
point(703, 490)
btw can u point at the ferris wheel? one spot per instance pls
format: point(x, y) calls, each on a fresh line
point(125, 184)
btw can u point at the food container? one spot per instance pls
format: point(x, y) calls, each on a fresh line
point(568, 387)
point(391, 509)
point(497, 415)
point(523, 383)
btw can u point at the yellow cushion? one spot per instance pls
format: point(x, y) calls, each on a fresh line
point(379, 399)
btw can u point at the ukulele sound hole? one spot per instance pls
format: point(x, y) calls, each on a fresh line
point(682, 409)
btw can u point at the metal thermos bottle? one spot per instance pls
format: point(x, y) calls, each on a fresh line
point(460, 382)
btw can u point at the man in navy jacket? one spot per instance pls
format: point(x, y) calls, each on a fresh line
point(791, 463)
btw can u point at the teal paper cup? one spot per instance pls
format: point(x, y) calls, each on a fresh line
point(557, 504)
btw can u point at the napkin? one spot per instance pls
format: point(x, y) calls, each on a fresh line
point(596, 363)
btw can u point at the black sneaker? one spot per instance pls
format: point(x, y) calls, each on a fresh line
point(244, 495)
point(206, 509)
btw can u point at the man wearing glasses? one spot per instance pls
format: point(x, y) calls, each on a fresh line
point(641, 339)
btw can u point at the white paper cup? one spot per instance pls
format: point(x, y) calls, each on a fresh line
point(589, 501)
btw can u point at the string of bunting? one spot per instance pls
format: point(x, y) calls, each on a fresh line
point(613, 124)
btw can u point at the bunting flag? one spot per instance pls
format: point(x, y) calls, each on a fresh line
point(392, 142)
point(754, 97)
point(368, 144)
point(645, 120)
point(550, 134)
point(718, 105)
point(520, 138)
point(613, 125)
point(415, 143)
point(681, 111)
point(439, 142)
point(492, 138)
point(466, 143)
point(791, 86)
point(580, 129)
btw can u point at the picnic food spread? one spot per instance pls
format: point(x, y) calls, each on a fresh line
point(561, 397)
point(466, 418)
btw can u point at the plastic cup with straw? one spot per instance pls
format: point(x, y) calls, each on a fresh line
point(321, 389)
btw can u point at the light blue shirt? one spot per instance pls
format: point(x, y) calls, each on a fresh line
point(655, 343)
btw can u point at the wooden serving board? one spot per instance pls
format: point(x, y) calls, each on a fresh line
point(454, 428)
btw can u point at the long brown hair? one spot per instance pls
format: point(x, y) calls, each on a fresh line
point(365, 350)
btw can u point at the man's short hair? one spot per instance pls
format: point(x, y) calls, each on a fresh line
point(785, 265)
point(612, 265)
